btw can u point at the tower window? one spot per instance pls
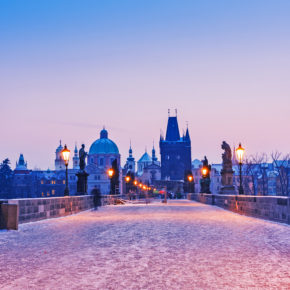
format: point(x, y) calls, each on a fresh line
point(101, 161)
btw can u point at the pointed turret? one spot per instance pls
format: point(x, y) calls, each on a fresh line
point(154, 158)
point(172, 133)
point(21, 166)
point(59, 162)
point(130, 164)
point(76, 160)
point(187, 137)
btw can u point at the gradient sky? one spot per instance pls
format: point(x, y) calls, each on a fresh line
point(69, 67)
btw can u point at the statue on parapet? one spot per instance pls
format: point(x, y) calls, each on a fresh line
point(82, 156)
point(82, 183)
point(227, 156)
point(227, 170)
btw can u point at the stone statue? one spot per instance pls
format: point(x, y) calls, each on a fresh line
point(227, 155)
point(82, 155)
point(82, 183)
point(205, 162)
point(227, 170)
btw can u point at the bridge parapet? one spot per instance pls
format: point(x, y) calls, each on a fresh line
point(34, 209)
point(275, 208)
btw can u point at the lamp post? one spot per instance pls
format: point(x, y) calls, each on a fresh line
point(190, 180)
point(110, 173)
point(127, 180)
point(65, 155)
point(240, 154)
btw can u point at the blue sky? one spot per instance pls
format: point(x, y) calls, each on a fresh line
point(70, 67)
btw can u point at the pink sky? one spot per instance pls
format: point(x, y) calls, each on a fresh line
point(64, 77)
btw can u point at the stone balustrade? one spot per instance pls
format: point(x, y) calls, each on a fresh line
point(275, 208)
point(24, 210)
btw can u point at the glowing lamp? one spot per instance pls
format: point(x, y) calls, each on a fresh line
point(190, 178)
point(135, 182)
point(65, 155)
point(240, 153)
point(204, 171)
point(110, 172)
point(140, 185)
point(127, 178)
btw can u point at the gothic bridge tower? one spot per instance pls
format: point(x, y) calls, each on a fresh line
point(175, 152)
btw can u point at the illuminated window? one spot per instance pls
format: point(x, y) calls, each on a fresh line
point(63, 182)
point(42, 194)
point(41, 182)
point(48, 193)
point(53, 192)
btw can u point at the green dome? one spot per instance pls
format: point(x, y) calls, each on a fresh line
point(104, 145)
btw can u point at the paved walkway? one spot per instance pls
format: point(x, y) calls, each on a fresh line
point(183, 245)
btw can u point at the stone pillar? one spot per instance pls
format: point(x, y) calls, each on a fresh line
point(227, 182)
point(82, 183)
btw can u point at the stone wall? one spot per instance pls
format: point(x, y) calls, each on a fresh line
point(275, 208)
point(34, 209)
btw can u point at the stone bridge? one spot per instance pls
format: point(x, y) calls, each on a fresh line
point(180, 245)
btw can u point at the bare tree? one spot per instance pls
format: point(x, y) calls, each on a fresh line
point(253, 169)
point(282, 164)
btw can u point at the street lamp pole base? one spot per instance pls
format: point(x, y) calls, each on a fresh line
point(241, 190)
point(66, 192)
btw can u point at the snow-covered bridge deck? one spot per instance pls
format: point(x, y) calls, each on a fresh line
point(182, 245)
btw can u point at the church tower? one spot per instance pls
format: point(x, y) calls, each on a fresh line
point(59, 162)
point(76, 160)
point(175, 152)
point(154, 158)
point(130, 164)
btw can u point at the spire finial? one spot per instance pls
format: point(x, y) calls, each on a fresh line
point(168, 112)
point(176, 112)
point(60, 142)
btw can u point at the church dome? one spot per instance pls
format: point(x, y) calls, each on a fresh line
point(145, 158)
point(104, 145)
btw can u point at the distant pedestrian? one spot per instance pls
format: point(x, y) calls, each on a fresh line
point(97, 198)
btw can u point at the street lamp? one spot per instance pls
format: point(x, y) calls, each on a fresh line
point(111, 173)
point(190, 183)
point(240, 154)
point(127, 180)
point(204, 171)
point(65, 155)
